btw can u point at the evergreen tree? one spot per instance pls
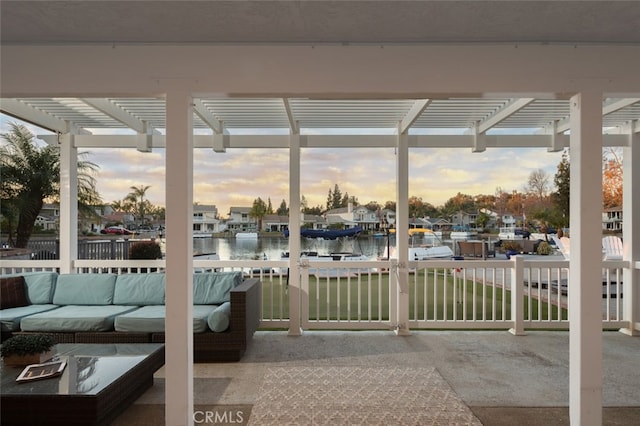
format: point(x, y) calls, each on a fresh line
point(330, 200)
point(283, 210)
point(345, 200)
point(561, 196)
point(336, 202)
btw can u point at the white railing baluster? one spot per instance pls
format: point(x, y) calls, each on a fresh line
point(438, 287)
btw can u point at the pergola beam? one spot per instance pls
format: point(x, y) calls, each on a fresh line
point(109, 108)
point(206, 116)
point(336, 141)
point(503, 113)
point(24, 112)
point(413, 114)
point(618, 105)
point(293, 124)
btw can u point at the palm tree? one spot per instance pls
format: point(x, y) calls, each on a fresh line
point(29, 175)
point(136, 196)
point(118, 206)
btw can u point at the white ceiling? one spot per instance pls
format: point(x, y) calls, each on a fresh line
point(310, 22)
point(110, 21)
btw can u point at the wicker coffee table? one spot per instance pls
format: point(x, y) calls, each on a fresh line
point(99, 382)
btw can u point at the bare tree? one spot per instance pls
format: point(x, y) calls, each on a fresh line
point(538, 184)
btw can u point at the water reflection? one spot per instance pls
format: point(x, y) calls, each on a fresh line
point(272, 247)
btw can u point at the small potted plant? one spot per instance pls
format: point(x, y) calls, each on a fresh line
point(25, 349)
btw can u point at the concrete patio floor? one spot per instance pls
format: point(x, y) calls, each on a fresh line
point(504, 379)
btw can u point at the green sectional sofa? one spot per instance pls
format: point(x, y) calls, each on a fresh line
point(130, 308)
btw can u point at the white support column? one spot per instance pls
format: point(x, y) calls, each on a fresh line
point(630, 233)
point(295, 293)
point(517, 296)
point(179, 260)
point(68, 203)
point(585, 292)
point(402, 234)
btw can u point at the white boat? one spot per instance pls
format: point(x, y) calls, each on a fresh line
point(423, 253)
point(313, 256)
point(461, 235)
point(201, 234)
point(433, 247)
point(513, 233)
point(246, 236)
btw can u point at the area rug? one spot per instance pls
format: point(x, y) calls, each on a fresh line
point(358, 396)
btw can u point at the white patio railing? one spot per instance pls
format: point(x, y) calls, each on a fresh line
point(443, 294)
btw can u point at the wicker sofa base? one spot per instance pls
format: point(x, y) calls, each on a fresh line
point(228, 346)
point(211, 347)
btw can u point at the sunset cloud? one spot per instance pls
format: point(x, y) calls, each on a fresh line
point(237, 177)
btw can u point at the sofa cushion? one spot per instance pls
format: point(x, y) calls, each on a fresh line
point(13, 292)
point(75, 318)
point(212, 288)
point(219, 319)
point(84, 289)
point(139, 289)
point(150, 319)
point(40, 287)
point(10, 318)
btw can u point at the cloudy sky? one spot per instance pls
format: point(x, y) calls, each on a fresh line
point(237, 177)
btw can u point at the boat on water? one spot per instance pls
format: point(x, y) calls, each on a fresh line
point(462, 232)
point(422, 253)
point(328, 234)
point(429, 237)
point(433, 249)
point(462, 235)
point(513, 233)
point(246, 236)
point(313, 256)
point(201, 234)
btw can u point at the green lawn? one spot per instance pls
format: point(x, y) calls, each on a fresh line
point(370, 299)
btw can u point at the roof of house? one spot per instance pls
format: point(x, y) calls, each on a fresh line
point(204, 208)
point(239, 209)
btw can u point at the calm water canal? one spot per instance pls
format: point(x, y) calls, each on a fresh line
point(271, 248)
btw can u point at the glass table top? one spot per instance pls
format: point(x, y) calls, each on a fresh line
point(90, 368)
